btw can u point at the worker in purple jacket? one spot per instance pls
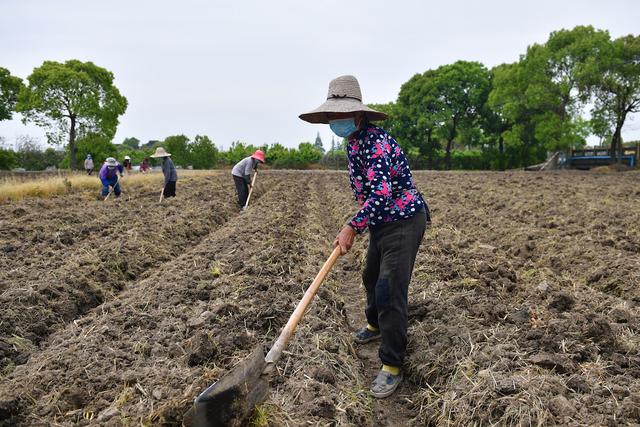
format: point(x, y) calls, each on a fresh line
point(391, 209)
point(109, 176)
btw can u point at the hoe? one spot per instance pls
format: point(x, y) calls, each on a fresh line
point(253, 182)
point(229, 401)
point(113, 188)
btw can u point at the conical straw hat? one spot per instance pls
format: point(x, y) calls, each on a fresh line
point(160, 153)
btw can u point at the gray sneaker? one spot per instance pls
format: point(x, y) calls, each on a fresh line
point(385, 384)
point(364, 336)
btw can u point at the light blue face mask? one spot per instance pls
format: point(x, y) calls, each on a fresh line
point(343, 127)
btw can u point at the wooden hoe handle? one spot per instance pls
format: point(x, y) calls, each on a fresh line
point(253, 182)
point(112, 188)
point(288, 330)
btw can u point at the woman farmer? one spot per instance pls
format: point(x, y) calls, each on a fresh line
point(127, 163)
point(88, 164)
point(394, 212)
point(144, 166)
point(169, 171)
point(109, 176)
point(242, 175)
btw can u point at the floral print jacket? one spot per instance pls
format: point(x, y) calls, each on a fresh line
point(381, 180)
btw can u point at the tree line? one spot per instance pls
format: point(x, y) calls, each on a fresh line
point(198, 153)
point(464, 115)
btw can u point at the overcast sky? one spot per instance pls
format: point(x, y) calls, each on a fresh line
point(245, 70)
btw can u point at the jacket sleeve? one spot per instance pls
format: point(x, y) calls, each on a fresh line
point(248, 169)
point(166, 171)
point(377, 181)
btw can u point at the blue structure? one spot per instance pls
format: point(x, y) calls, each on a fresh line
point(590, 158)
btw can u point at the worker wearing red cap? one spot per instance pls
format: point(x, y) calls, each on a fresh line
point(242, 175)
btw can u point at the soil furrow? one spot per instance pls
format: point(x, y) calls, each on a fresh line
point(171, 333)
point(523, 309)
point(504, 327)
point(122, 247)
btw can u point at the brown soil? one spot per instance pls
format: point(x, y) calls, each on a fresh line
point(523, 306)
point(64, 256)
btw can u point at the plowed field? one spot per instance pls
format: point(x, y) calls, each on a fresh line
point(524, 304)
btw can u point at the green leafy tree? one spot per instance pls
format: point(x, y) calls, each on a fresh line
point(8, 159)
point(494, 124)
point(307, 154)
point(29, 154)
point(53, 157)
point(276, 154)
point(566, 54)
point(132, 143)
point(72, 99)
point(10, 87)
point(178, 146)
point(538, 102)
point(462, 90)
point(552, 92)
point(237, 152)
point(442, 104)
point(505, 112)
point(415, 117)
point(613, 80)
point(137, 156)
point(204, 154)
point(519, 109)
point(99, 146)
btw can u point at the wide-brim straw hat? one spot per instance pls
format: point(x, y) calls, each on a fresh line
point(344, 96)
point(160, 152)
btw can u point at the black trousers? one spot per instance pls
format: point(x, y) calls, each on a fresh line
point(170, 189)
point(392, 252)
point(242, 189)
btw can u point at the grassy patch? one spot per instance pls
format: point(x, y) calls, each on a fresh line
point(260, 417)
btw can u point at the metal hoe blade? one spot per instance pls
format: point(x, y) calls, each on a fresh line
point(234, 397)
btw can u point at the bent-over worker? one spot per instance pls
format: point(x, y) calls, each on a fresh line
point(242, 175)
point(109, 176)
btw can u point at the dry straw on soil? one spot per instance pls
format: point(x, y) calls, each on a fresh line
point(13, 190)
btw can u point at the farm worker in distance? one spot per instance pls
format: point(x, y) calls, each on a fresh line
point(127, 163)
point(242, 175)
point(88, 164)
point(144, 166)
point(169, 171)
point(394, 212)
point(109, 176)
